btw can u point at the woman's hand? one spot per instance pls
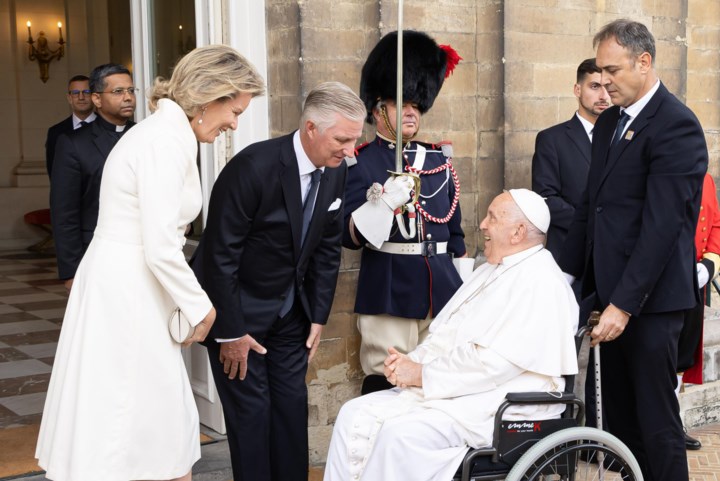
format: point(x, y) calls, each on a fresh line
point(202, 329)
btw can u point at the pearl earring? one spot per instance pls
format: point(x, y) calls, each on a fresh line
point(200, 120)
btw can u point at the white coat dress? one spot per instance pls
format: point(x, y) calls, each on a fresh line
point(119, 405)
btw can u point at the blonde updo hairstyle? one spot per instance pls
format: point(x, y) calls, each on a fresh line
point(213, 72)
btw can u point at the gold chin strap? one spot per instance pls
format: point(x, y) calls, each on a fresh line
point(393, 134)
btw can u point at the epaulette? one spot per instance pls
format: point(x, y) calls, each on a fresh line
point(350, 161)
point(444, 145)
point(360, 147)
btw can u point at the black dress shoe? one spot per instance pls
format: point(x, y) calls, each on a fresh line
point(691, 443)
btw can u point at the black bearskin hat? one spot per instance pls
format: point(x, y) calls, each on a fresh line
point(425, 67)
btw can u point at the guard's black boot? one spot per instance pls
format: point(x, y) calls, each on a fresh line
point(375, 382)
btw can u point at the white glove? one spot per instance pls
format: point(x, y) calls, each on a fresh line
point(703, 275)
point(397, 191)
point(374, 219)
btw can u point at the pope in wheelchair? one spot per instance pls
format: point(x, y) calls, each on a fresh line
point(509, 328)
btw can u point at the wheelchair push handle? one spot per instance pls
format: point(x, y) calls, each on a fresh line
point(593, 320)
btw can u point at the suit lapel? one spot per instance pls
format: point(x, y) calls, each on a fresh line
point(102, 139)
point(67, 125)
point(612, 155)
point(579, 137)
point(290, 182)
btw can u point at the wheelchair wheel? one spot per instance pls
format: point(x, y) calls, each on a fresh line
point(577, 454)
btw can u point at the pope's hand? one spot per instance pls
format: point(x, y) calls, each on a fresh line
point(397, 191)
point(402, 371)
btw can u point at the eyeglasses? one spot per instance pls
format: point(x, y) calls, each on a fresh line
point(75, 93)
point(120, 91)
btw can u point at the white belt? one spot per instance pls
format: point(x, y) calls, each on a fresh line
point(414, 248)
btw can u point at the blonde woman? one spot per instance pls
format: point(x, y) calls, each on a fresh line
point(119, 404)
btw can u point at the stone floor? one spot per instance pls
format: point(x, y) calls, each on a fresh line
point(32, 304)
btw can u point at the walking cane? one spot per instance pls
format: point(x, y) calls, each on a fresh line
point(593, 321)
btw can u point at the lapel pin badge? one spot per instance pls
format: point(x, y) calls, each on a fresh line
point(629, 135)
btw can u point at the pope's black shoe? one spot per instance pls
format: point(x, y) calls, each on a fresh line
point(691, 443)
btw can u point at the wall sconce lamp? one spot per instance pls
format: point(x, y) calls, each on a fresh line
point(184, 46)
point(43, 53)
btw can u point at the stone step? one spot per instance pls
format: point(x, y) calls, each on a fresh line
point(700, 404)
point(711, 345)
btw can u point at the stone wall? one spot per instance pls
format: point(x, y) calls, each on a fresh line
point(516, 78)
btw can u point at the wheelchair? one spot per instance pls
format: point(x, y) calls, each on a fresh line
point(552, 449)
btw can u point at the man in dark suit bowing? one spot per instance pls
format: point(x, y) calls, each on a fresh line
point(78, 164)
point(269, 260)
point(632, 239)
point(78, 96)
point(562, 155)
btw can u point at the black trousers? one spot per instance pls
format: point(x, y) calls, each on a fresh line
point(266, 414)
point(691, 335)
point(639, 402)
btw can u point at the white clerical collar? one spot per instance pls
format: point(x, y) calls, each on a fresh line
point(587, 125)
point(635, 109)
point(520, 256)
point(77, 120)
point(305, 165)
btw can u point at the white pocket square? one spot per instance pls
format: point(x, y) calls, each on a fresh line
point(335, 205)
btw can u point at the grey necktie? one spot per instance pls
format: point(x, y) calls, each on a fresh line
point(622, 122)
point(308, 207)
point(309, 203)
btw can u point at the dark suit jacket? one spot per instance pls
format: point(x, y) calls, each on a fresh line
point(54, 132)
point(250, 250)
point(75, 190)
point(634, 230)
point(559, 173)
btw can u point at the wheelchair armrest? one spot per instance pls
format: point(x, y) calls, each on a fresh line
point(539, 397)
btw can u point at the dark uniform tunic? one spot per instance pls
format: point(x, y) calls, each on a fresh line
point(408, 286)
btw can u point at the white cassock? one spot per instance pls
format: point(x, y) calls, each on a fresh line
point(509, 328)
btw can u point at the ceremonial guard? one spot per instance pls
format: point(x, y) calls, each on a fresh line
point(707, 248)
point(408, 226)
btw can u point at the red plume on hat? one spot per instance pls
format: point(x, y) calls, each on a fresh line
point(425, 67)
point(453, 58)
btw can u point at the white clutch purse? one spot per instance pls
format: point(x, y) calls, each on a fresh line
point(180, 328)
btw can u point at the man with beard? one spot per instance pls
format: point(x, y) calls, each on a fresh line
point(562, 155)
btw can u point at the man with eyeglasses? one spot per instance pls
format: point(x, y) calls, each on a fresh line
point(78, 164)
point(78, 96)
